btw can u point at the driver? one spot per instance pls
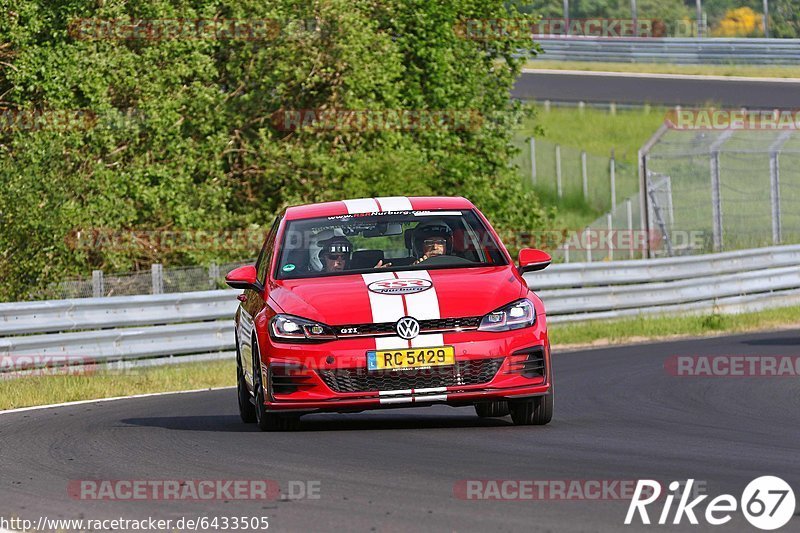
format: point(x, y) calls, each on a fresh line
point(431, 239)
point(335, 253)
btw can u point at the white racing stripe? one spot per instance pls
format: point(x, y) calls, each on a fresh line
point(389, 308)
point(438, 398)
point(361, 205)
point(413, 395)
point(430, 390)
point(395, 392)
point(395, 203)
point(423, 306)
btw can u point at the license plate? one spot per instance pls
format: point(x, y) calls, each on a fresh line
point(410, 358)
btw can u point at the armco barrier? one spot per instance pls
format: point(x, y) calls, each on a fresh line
point(199, 325)
point(672, 50)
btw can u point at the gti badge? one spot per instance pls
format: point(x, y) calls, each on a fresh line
point(407, 327)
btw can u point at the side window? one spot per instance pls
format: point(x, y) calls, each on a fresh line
point(263, 263)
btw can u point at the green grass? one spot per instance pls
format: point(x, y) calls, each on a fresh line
point(42, 390)
point(23, 392)
point(751, 71)
point(652, 328)
point(597, 131)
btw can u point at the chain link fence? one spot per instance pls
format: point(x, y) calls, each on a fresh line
point(566, 173)
point(157, 280)
point(734, 189)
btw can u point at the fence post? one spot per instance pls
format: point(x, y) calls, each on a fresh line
point(613, 172)
point(775, 185)
point(629, 213)
point(566, 252)
point(716, 196)
point(716, 199)
point(533, 160)
point(98, 284)
point(558, 171)
point(610, 238)
point(587, 244)
point(585, 175)
point(213, 275)
point(157, 275)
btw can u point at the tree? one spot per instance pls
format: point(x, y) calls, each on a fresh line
point(179, 134)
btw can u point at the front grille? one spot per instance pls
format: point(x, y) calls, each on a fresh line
point(472, 372)
point(425, 326)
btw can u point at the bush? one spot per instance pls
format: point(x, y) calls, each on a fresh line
point(178, 134)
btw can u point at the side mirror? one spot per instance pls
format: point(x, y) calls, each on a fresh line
point(531, 260)
point(244, 278)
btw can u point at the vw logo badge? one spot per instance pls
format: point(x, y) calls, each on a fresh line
point(407, 328)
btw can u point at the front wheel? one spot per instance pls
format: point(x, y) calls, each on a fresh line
point(536, 411)
point(247, 411)
point(266, 420)
point(492, 409)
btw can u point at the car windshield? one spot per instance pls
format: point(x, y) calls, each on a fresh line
point(378, 242)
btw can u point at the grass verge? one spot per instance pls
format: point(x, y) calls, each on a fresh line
point(597, 131)
point(47, 389)
point(748, 71)
point(607, 332)
point(42, 390)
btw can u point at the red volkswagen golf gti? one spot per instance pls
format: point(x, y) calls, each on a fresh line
point(389, 302)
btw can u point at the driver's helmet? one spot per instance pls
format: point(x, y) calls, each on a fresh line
point(431, 230)
point(338, 244)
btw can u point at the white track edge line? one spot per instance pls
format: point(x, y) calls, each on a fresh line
point(98, 400)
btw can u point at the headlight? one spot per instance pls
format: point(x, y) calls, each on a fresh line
point(519, 314)
point(289, 328)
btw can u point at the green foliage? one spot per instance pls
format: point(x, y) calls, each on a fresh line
point(784, 19)
point(178, 134)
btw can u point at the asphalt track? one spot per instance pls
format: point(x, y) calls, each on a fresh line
point(631, 88)
point(618, 416)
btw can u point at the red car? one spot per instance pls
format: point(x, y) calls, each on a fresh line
point(389, 302)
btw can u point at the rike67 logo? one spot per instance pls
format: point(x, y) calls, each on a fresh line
point(767, 502)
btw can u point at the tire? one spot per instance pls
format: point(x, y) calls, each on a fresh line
point(267, 420)
point(494, 409)
point(247, 411)
point(536, 411)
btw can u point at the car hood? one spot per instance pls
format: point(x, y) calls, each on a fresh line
point(453, 293)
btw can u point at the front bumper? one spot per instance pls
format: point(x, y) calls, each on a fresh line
point(303, 377)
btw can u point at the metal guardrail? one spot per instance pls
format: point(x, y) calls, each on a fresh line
point(114, 312)
point(688, 51)
point(664, 269)
point(198, 325)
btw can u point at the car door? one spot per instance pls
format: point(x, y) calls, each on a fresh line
point(253, 302)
